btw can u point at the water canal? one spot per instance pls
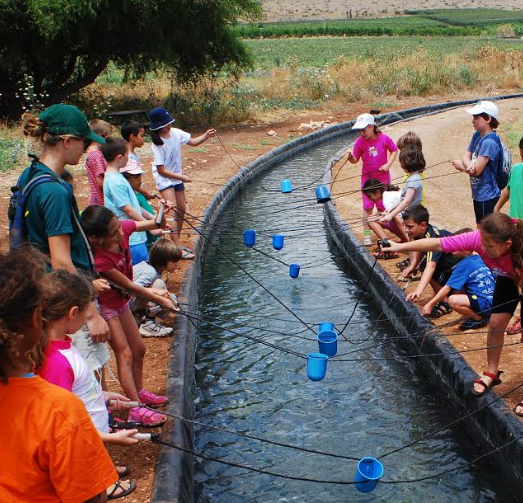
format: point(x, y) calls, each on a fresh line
point(363, 408)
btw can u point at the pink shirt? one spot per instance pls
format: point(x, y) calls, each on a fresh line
point(64, 366)
point(374, 154)
point(106, 260)
point(95, 165)
point(471, 241)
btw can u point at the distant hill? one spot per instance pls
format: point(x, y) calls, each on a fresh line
point(291, 10)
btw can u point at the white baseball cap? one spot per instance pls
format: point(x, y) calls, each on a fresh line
point(363, 121)
point(132, 167)
point(485, 107)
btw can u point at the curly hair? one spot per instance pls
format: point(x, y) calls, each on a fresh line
point(20, 295)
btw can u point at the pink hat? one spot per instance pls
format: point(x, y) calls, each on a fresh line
point(132, 167)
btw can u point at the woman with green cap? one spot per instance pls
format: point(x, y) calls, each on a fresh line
point(52, 217)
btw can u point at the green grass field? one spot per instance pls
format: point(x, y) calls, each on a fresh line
point(444, 22)
point(317, 52)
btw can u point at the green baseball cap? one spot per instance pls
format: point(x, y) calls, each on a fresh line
point(68, 120)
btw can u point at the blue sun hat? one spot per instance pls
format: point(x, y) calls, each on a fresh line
point(159, 118)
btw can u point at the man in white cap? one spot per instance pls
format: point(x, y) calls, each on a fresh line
point(480, 161)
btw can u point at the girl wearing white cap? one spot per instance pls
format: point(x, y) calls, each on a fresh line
point(373, 148)
point(481, 158)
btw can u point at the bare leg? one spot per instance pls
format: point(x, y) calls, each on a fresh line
point(460, 303)
point(168, 195)
point(136, 346)
point(180, 205)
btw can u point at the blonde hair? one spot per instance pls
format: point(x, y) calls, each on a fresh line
point(35, 128)
point(101, 127)
point(410, 138)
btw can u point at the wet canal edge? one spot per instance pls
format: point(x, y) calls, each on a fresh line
point(450, 376)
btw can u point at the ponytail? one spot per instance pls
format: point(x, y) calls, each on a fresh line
point(155, 137)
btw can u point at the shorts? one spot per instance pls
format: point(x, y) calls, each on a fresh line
point(392, 226)
point(480, 305)
point(484, 208)
point(95, 354)
point(441, 276)
point(139, 253)
point(368, 204)
point(108, 312)
point(506, 296)
point(179, 187)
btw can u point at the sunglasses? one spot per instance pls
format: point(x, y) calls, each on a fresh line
point(87, 142)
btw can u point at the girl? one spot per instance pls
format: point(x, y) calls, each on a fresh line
point(45, 451)
point(499, 242)
point(110, 239)
point(390, 194)
point(95, 164)
point(66, 297)
point(372, 146)
point(167, 165)
point(480, 159)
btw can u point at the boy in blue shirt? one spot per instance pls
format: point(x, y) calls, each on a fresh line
point(469, 289)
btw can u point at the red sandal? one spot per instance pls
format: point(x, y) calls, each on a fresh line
point(495, 381)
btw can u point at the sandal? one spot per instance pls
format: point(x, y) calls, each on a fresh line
point(439, 310)
point(403, 264)
point(124, 492)
point(187, 253)
point(385, 255)
point(122, 471)
point(515, 328)
point(519, 414)
point(495, 382)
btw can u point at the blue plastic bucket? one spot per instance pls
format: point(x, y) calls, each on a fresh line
point(328, 342)
point(322, 194)
point(249, 237)
point(368, 473)
point(294, 270)
point(325, 325)
point(277, 241)
point(316, 366)
point(286, 186)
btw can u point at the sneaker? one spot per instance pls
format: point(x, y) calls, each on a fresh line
point(471, 324)
point(152, 400)
point(151, 328)
point(367, 241)
point(146, 417)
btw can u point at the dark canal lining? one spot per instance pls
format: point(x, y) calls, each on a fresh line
point(360, 408)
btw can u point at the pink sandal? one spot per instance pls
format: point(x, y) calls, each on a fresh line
point(147, 417)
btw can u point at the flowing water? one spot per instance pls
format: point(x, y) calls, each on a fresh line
point(363, 408)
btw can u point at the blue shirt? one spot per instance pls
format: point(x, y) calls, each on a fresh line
point(485, 187)
point(117, 194)
point(472, 275)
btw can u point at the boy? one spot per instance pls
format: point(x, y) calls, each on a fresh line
point(134, 134)
point(120, 197)
point(163, 257)
point(471, 286)
point(438, 267)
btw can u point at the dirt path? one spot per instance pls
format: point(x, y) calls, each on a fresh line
point(211, 165)
point(445, 136)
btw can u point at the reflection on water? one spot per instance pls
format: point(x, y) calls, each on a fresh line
point(360, 409)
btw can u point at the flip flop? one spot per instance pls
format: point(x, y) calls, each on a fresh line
point(486, 387)
point(125, 492)
point(519, 414)
point(187, 253)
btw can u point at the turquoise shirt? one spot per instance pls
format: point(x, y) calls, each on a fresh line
point(49, 213)
point(515, 186)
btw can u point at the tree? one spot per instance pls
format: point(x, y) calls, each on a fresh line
point(63, 45)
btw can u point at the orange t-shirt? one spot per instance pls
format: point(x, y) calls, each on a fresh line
point(50, 449)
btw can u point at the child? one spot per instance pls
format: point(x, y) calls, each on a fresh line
point(372, 147)
point(436, 267)
point(110, 240)
point(120, 197)
point(167, 166)
point(66, 297)
point(95, 164)
point(480, 159)
point(163, 257)
point(134, 134)
point(390, 194)
point(411, 139)
point(514, 192)
point(413, 163)
point(499, 242)
point(470, 288)
point(52, 451)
